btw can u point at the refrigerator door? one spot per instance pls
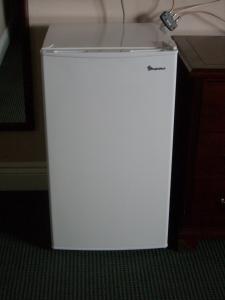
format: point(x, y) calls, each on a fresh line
point(109, 134)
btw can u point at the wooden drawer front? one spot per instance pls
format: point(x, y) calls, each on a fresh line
point(213, 107)
point(207, 203)
point(213, 123)
point(213, 97)
point(210, 167)
point(211, 144)
point(210, 160)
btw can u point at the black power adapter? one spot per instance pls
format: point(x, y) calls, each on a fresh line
point(169, 19)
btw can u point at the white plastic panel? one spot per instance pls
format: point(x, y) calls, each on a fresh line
point(109, 135)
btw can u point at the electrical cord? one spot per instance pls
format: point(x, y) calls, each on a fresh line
point(180, 9)
point(170, 18)
point(203, 12)
point(173, 5)
point(193, 6)
point(123, 10)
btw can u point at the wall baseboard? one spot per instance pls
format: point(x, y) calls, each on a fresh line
point(23, 176)
point(4, 43)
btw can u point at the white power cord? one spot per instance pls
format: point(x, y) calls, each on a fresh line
point(173, 5)
point(193, 6)
point(203, 12)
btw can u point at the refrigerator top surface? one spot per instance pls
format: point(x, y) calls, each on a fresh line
point(111, 36)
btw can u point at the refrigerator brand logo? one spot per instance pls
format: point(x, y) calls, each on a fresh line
point(150, 68)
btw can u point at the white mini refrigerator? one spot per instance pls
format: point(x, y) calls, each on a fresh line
point(109, 106)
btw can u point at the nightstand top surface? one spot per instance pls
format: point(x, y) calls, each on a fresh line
point(202, 52)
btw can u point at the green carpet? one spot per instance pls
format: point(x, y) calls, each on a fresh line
point(31, 272)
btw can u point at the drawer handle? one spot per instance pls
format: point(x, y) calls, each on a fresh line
point(222, 201)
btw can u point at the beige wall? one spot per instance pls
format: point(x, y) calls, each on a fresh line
point(51, 11)
point(2, 20)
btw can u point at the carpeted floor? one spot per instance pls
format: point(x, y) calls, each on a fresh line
point(29, 270)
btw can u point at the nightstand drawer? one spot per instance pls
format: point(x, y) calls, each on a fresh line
point(213, 97)
point(213, 123)
point(210, 159)
point(211, 144)
point(208, 205)
point(213, 107)
point(210, 166)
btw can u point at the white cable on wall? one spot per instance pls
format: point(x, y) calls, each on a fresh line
point(193, 6)
point(173, 5)
point(203, 12)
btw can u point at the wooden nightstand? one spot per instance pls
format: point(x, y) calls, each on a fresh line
point(199, 141)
